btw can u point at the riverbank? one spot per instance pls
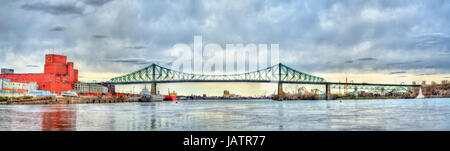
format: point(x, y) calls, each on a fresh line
point(386, 97)
point(359, 98)
point(370, 98)
point(69, 100)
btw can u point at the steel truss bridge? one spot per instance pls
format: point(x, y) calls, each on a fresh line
point(158, 74)
point(279, 73)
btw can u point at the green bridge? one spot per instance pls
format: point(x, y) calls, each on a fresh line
point(279, 73)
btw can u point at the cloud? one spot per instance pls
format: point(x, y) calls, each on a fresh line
point(366, 59)
point(141, 62)
point(32, 66)
point(314, 36)
point(99, 36)
point(349, 61)
point(425, 74)
point(136, 47)
point(430, 40)
point(397, 63)
point(54, 9)
point(57, 28)
point(137, 61)
point(398, 72)
point(96, 2)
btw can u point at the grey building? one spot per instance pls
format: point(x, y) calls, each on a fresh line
point(89, 88)
point(7, 71)
point(7, 85)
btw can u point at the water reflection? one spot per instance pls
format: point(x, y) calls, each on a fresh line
point(426, 114)
point(58, 119)
point(20, 120)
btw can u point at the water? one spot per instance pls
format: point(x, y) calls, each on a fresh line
point(411, 114)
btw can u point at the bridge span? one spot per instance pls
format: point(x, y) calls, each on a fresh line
point(279, 73)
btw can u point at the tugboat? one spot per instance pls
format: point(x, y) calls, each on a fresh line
point(147, 97)
point(171, 97)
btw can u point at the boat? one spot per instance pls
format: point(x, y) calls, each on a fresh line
point(69, 94)
point(151, 98)
point(147, 97)
point(171, 97)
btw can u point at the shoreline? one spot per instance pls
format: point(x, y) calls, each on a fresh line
point(70, 100)
point(111, 99)
point(375, 98)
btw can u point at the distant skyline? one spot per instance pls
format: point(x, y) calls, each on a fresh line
point(383, 41)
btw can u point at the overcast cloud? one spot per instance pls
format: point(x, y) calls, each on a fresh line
point(314, 36)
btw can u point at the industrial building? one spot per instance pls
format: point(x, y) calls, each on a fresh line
point(90, 88)
point(7, 71)
point(7, 86)
point(58, 75)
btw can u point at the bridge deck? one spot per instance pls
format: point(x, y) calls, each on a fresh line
point(259, 81)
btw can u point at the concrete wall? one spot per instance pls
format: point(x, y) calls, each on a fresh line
point(18, 86)
point(16, 94)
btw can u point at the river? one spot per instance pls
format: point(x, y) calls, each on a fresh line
point(396, 114)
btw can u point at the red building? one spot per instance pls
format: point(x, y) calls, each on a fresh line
point(58, 75)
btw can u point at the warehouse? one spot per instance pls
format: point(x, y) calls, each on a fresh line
point(7, 86)
point(59, 75)
point(90, 88)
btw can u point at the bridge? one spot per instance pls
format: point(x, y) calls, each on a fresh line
point(278, 73)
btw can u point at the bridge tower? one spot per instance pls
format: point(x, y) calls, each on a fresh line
point(280, 91)
point(153, 89)
point(327, 92)
point(280, 85)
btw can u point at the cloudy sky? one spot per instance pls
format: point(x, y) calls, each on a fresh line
point(369, 41)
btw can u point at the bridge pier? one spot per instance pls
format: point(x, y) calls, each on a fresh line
point(327, 92)
point(153, 89)
point(280, 91)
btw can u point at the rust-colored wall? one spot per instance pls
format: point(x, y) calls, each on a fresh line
point(75, 76)
point(70, 72)
point(52, 58)
point(49, 82)
point(56, 64)
point(58, 76)
point(55, 68)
